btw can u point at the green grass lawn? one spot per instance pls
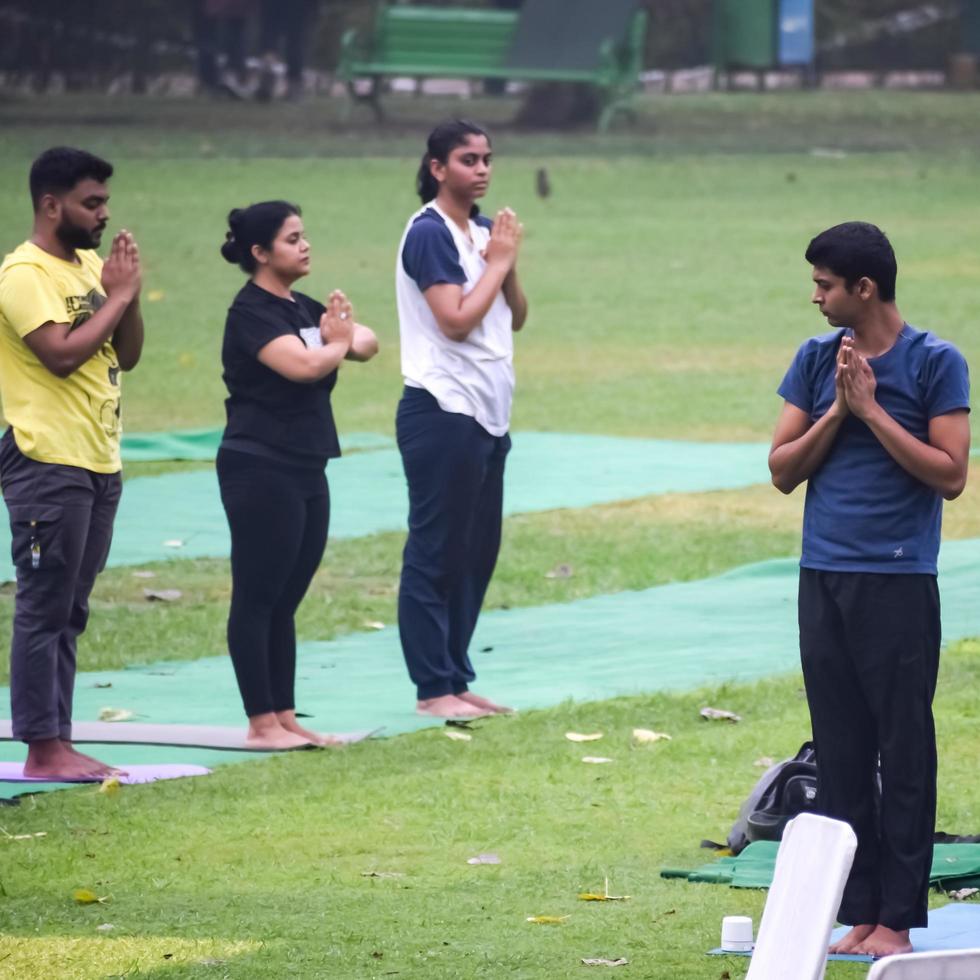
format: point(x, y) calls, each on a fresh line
point(668, 293)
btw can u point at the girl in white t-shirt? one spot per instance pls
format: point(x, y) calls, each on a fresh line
point(459, 302)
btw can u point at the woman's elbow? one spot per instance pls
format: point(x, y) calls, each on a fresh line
point(455, 330)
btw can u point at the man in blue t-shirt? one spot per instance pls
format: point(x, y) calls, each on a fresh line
point(875, 422)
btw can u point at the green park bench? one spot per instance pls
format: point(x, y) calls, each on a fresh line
point(597, 42)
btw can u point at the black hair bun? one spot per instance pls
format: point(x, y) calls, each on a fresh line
point(230, 250)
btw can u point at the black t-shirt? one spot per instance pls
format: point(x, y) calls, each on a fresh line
point(268, 414)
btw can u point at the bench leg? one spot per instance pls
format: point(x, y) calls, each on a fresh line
point(373, 99)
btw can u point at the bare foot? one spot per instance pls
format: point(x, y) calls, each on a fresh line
point(266, 732)
point(287, 719)
point(113, 770)
point(485, 704)
point(885, 942)
point(448, 706)
point(850, 942)
point(50, 759)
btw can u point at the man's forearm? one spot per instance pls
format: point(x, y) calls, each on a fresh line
point(932, 466)
point(128, 336)
point(793, 462)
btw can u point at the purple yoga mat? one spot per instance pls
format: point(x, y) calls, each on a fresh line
point(13, 772)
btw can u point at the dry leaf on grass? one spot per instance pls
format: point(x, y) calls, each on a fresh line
point(105, 927)
point(154, 295)
point(547, 920)
point(764, 762)
point(110, 786)
point(645, 736)
point(85, 896)
point(599, 961)
point(9, 836)
point(718, 714)
point(162, 595)
point(115, 714)
point(484, 859)
point(458, 736)
point(560, 571)
point(597, 760)
point(580, 737)
point(602, 896)
point(961, 894)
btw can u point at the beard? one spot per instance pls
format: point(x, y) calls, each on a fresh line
point(74, 236)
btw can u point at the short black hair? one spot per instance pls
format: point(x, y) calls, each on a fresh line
point(854, 250)
point(59, 169)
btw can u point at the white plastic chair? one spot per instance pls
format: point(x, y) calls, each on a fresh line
point(947, 964)
point(812, 866)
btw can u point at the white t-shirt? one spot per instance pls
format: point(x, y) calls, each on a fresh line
point(474, 376)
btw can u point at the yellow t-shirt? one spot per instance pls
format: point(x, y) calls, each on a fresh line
point(73, 420)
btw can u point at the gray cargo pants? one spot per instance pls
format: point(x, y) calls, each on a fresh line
point(61, 528)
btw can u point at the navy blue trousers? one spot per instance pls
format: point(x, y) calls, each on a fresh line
point(455, 473)
point(869, 645)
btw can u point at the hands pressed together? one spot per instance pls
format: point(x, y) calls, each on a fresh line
point(505, 239)
point(121, 271)
point(855, 381)
point(337, 322)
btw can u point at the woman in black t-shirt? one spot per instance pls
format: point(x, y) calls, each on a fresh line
point(280, 355)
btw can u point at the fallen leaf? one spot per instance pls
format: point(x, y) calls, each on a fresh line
point(602, 896)
point(110, 786)
point(105, 927)
point(717, 714)
point(764, 762)
point(961, 894)
point(86, 897)
point(595, 759)
point(162, 595)
point(103, 685)
point(173, 543)
point(458, 736)
point(154, 295)
point(644, 736)
point(465, 723)
point(186, 360)
point(560, 571)
point(484, 859)
point(547, 920)
point(579, 737)
point(115, 714)
point(599, 961)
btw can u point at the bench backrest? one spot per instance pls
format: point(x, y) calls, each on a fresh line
point(448, 37)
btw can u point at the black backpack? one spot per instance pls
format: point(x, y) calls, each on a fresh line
point(784, 791)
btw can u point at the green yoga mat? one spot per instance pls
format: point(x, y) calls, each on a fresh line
point(953, 866)
point(202, 444)
point(740, 626)
point(179, 515)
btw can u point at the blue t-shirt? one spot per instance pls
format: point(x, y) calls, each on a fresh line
point(863, 512)
point(430, 254)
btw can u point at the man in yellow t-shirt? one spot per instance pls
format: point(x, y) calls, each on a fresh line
point(69, 324)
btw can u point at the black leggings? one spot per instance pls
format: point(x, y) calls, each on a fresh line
point(278, 517)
